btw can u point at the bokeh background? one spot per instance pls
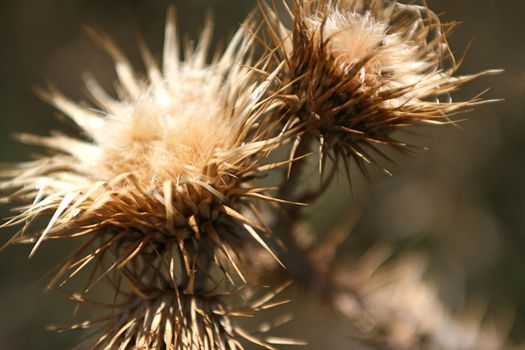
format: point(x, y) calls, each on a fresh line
point(462, 202)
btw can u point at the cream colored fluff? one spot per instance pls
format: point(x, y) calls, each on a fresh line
point(180, 124)
point(166, 135)
point(351, 37)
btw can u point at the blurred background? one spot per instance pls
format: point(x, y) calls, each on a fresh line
point(462, 202)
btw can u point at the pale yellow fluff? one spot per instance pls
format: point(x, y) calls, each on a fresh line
point(351, 37)
point(171, 126)
point(166, 135)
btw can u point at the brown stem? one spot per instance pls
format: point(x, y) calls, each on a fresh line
point(286, 219)
point(291, 182)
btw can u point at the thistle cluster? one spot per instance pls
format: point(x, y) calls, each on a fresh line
point(161, 186)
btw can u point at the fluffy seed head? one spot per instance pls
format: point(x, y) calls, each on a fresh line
point(170, 160)
point(404, 311)
point(356, 71)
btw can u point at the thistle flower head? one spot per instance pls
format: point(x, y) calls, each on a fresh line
point(173, 320)
point(170, 161)
point(356, 71)
point(404, 310)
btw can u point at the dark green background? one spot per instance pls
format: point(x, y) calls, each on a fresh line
point(463, 201)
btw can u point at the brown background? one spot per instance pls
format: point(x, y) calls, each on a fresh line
point(463, 201)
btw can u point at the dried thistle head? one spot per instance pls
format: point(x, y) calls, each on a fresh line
point(357, 71)
point(169, 163)
point(154, 304)
point(172, 319)
point(400, 308)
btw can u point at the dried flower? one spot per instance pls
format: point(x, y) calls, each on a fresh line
point(400, 309)
point(356, 71)
point(169, 162)
point(171, 319)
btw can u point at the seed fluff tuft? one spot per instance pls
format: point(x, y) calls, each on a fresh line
point(357, 71)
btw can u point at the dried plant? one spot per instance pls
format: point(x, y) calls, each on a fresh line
point(162, 191)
